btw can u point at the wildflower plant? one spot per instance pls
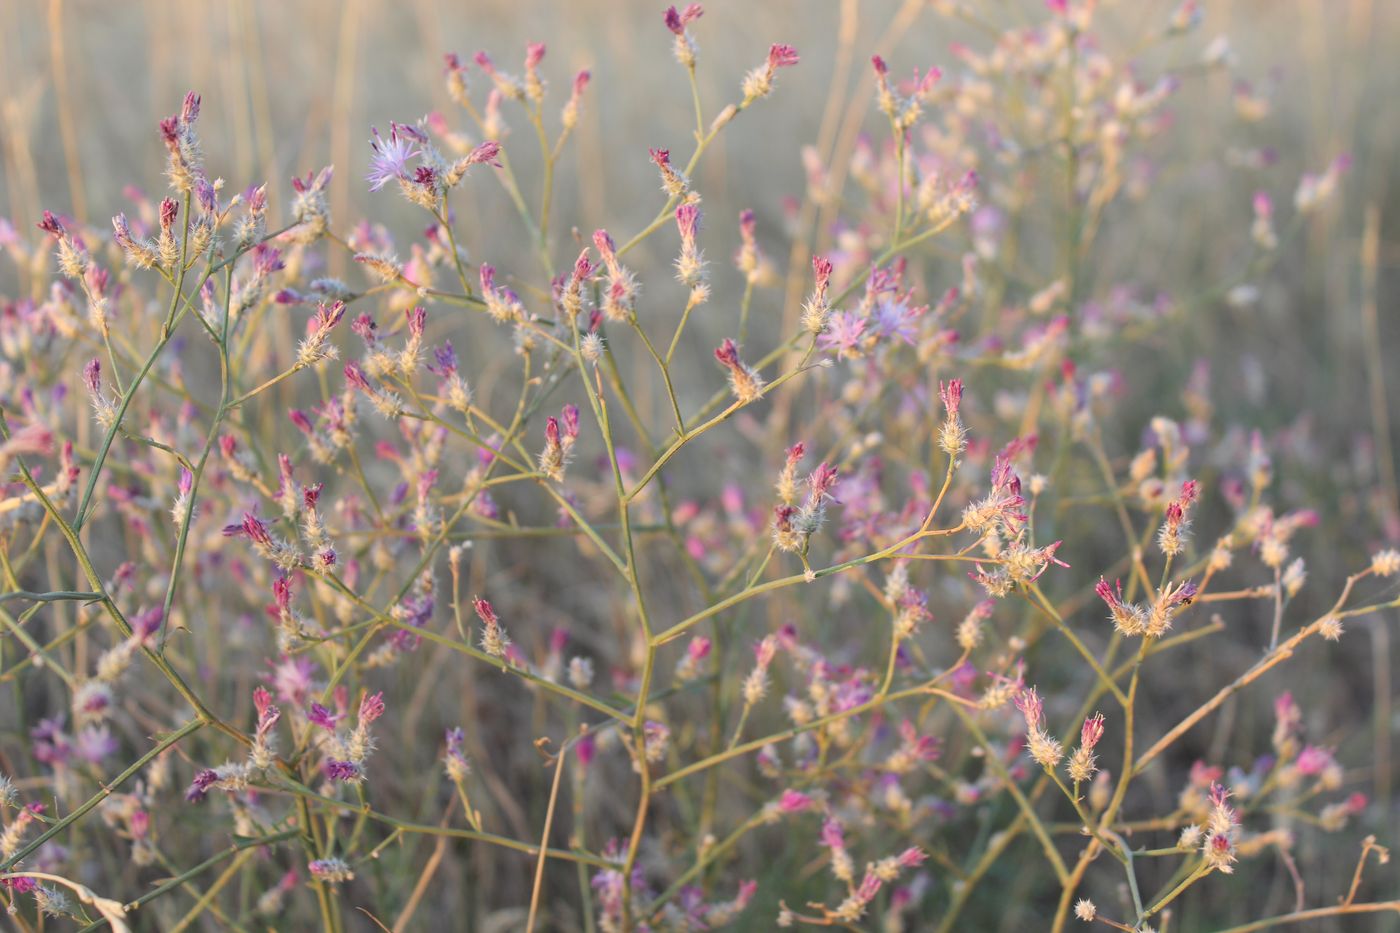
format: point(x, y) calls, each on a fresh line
point(822, 594)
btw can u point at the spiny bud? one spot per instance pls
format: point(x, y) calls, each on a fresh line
point(952, 437)
point(672, 181)
point(759, 82)
point(817, 308)
point(745, 382)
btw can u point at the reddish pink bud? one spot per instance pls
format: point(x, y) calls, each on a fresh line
point(912, 857)
point(1092, 731)
point(698, 649)
point(793, 801)
point(371, 707)
point(484, 611)
point(951, 394)
point(50, 225)
point(168, 210)
point(781, 56)
point(688, 221)
point(728, 354)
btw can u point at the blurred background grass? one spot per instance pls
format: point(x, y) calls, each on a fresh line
point(291, 86)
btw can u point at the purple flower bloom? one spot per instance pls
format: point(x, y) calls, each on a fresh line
point(390, 159)
point(346, 771)
point(199, 787)
point(322, 717)
point(843, 334)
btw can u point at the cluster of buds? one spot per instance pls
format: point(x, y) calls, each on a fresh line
point(140, 252)
point(816, 310)
point(455, 71)
point(1176, 526)
point(787, 479)
point(1170, 600)
point(1315, 190)
point(264, 752)
point(833, 838)
point(185, 159)
point(291, 625)
point(568, 116)
point(1275, 533)
point(759, 82)
point(943, 201)
point(656, 740)
point(788, 803)
point(316, 345)
point(572, 296)
point(793, 526)
point(182, 511)
point(73, 259)
point(346, 753)
point(1044, 748)
point(1082, 764)
point(206, 219)
point(494, 640)
point(913, 750)
point(383, 400)
point(454, 389)
point(749, 259)
point(910, 606)
point(677, 23)
point(690, 264)
point(580, 672)
point(311, 207)
point(313, 529)
point(952, 436)
point(744, 380)
point(902, 111)
point(1333, 817)
point(281, 552)
point(230, 776)
point(559, 444)
point(507, 85)
point(93, 698)
point(1128, 618)
point(756, 684)
point(298, 500)
point(250, 290)
point(103, 407)
point(620, 295)
point(877, 875)
point(1262, 229)
point(1313, 762)
point(331, 870)
point(13, 836)
point(696, 651)
point(673, 182)
point(998, 511)
point(1218, 848)
point(409, 355)
point(969, 634)
point(270, 903)
point(502, 303)
point(1385, 563)
point(251, 227)
point(1288, 719)
point(534, 84)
